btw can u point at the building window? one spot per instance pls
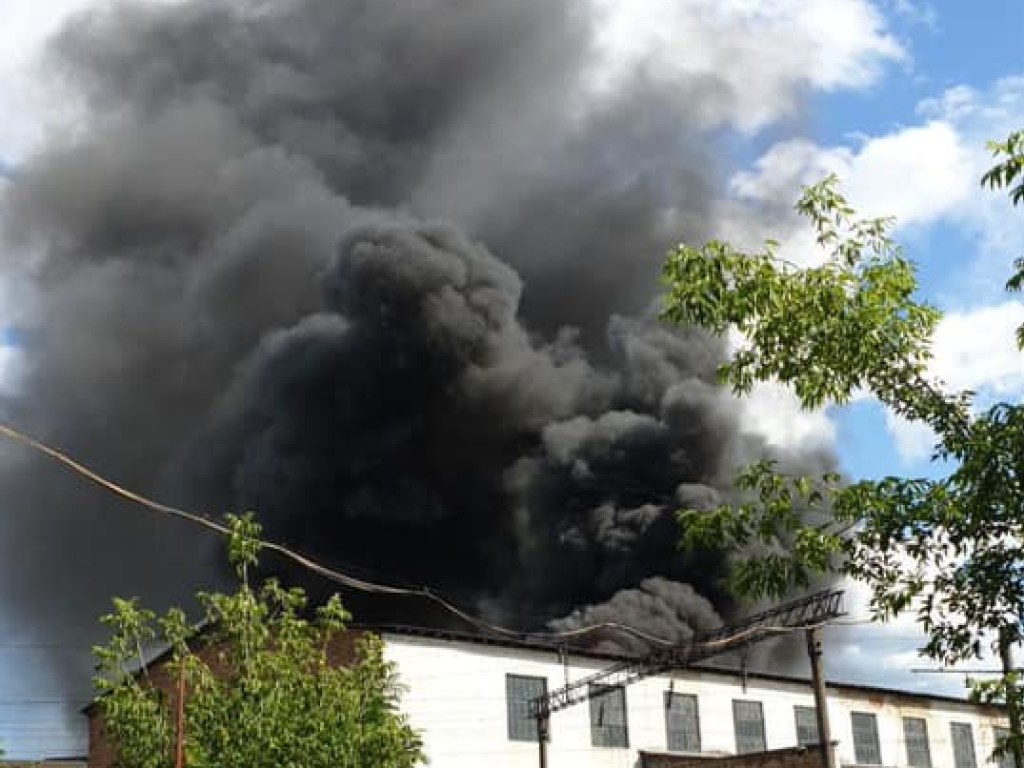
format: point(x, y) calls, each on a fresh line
point(748, 719)
point(682, 722)
point(915, 733)
point(608, 716)
point(1006, 759)
point(519, 691)
point(963, 745)
point(806, 725)
point(865, 739)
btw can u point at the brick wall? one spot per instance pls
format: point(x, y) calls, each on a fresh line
point(101, 753)
point(791, 757)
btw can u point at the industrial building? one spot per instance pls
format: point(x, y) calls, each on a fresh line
point(469, 696)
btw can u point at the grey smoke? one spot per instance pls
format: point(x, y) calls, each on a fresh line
point(665, 609)
point(381, 272)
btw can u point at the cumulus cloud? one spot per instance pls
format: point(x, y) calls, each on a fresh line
point(923, 174)
point(774, 412)
point(765, 48)
point(916, 174)
point(974, 350)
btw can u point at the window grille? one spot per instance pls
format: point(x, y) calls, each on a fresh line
point(915, 733)
point(963, 745)
point(806, 725)
point(866, 750)
point(748, 720)
point(519, 691)
point(682, 722)
point(608, 726)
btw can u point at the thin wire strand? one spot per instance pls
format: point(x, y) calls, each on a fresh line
point(330, 574)
point(339, 577)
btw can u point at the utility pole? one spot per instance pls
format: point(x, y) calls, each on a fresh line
point(543, 724)
point(814, 652)
point(1007, 637)
point(807, 613)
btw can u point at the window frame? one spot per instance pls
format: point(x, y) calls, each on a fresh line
point(907, 737)
point(968, 729)
point(603, 735)
point(803, 708)
point(513, 732)
point(858, 747)
point(737, 705)
point(686, 747)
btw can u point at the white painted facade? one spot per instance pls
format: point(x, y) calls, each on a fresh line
point(455, 694)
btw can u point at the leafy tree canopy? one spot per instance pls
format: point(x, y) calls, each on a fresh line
point(950, 548)
point(261, 690)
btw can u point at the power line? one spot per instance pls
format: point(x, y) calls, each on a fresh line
point(941, 671)
point(330, 574)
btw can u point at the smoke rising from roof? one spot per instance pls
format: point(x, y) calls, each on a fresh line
point(382, 272)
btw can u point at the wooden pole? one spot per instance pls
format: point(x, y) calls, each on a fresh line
point(179, 737)
point(814, 652)
point(1006, 640)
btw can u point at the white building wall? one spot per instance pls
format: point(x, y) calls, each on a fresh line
point(455, 695)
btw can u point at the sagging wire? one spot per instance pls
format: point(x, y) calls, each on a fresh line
point(337, 577)
point(363, 585)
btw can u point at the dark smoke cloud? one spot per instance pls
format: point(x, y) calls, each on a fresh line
point(238, 290)
point(665, 609)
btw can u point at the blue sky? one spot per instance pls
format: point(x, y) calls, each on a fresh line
point(911, 143)
point(896, 96)
point(951, 47)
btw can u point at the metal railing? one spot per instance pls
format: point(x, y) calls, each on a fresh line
point(798, 614)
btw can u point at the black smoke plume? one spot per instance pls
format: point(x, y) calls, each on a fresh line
point(382, 272)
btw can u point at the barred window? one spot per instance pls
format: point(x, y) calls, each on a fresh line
point(519, 691)
point(682, 722)
point(915, 733)
point(866, 750)
point(748, 720)
point(608, 726)
point(963, 745)
point(806, 725)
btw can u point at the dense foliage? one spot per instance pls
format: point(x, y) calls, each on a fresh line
point(260, 688)
point(950, 549)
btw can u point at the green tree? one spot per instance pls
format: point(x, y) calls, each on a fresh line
point(260, 688)
point(949, 549)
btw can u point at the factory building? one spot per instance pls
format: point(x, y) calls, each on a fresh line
point(469, 697)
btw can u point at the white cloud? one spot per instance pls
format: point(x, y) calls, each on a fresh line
point(981, 115)
point(922, 174)
point(773, 412)
point(23, 100)
point(976, 349)
point(914, 440)
point(872, 652)
point(916, 174)
point(763, 51)
point(973, 350)
point(887, 653)
point(920, 13)
point(29, 103)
